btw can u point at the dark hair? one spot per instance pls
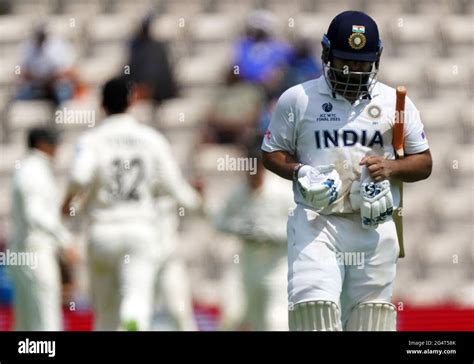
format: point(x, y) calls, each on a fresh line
point(116, 95)
point(44, 134)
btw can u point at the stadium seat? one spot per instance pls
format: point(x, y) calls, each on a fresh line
point(436, 117)
point(96, 71)
point(203, 69)
point(465, 157)
point(209, 154)
point(187, 8)
point(448, 76)
point(136, 7)
point(67, 27)
point(403, 71)
point(466, 122)
point(26, 114)
point(11, 154)
point(14, 28)
point(311, 25)
point(214, 27)
point(378, 7)
point(463, 295)
point(34, 7)
point(86, 8)
point(414, 34)
point(239, 8)
point(170, 27)
point(441, 252)
point(181, 113)
point(434, 7)
point(111, 28)
point(284, 9)
point(332, 7)
point(7, 72)
point(455, 30)
point(426, 292)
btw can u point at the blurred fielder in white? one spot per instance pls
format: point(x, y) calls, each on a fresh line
point(123, 166)
point(37, 235)
point(333, 137)
point(257, 212)
point(173, 284)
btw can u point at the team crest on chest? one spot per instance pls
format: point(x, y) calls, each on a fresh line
point(374, 111)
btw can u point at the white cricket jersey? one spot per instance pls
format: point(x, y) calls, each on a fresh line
point(320, 129)
point(35, 206)
point(261, 214)
point(124, 166)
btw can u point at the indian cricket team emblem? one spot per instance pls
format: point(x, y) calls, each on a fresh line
point(374, 111)
point(357, 40)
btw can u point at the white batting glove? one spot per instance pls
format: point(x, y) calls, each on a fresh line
point(377, 202)
point(319, 186)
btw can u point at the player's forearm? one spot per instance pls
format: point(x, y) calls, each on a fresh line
point(280, 162)
point(413, 167)
point(66, 205)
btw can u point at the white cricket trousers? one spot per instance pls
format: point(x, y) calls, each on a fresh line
point(332, 258)
point(122, 264)
point(37, 289)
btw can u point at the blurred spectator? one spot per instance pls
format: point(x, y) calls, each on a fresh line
point(302, 67)
point(257, 212)
point(149, 64)
point(46, 68)
point(235, 111)
point(265, 117)
point(259, 56)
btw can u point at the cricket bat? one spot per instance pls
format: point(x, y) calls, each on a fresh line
point(397, 142)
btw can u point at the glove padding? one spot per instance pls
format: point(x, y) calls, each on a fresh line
point(319, 186)
point(377, 202)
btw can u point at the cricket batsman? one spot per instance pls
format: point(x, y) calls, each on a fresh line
point(333, 137)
